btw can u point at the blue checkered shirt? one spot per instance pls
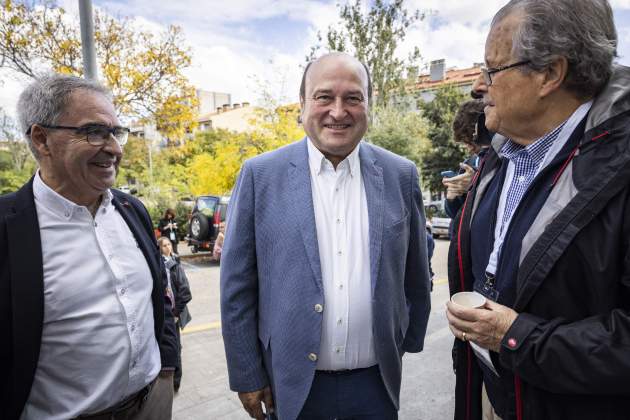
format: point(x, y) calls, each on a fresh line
point(526, 161)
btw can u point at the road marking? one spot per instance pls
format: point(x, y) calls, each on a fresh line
point(203, 327)
point(440, 281)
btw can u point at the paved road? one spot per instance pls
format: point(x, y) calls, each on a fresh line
point(428, 379)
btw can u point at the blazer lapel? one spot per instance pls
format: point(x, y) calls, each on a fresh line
point(373, 181)
point(300, 180)
point(146, 244)
point(27, 290)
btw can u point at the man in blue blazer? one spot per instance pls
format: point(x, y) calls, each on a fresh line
point(324, 272)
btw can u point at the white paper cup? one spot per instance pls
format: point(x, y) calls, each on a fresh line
point(469, 299)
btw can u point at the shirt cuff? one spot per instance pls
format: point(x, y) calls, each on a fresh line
point(521, 328)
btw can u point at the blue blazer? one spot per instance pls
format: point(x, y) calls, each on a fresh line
point(271, 276)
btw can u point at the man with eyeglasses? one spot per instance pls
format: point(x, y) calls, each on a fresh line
point(324, 271)
point(87, 330)
point(549, 217)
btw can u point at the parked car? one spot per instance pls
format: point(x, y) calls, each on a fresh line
point(206, 217)
point(440, 224)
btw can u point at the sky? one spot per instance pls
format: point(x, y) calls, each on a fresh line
point(238, 45)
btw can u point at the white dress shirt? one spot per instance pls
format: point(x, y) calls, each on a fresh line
point(98, 342)
point(341, 218)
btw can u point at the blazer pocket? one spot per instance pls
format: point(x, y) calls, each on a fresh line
point(398, 225)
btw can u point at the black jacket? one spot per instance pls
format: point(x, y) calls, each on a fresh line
point(181, 290)
point(571, 348)
point(22, 298)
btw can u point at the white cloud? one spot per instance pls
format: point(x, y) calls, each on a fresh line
point(228, 52)
point(620, 4)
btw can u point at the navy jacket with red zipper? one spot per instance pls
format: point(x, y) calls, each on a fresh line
point(569, 348)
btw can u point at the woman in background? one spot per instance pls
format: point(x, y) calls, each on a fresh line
point(178, 290)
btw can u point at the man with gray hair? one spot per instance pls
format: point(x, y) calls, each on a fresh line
point(549, 217)
point(87, 330)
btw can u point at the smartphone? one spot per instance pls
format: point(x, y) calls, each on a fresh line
point(448, 174)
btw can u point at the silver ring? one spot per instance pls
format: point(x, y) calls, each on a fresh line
point(463, 336)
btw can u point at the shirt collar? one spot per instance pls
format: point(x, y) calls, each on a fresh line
point(58, 204)
point(536, 151)
point(317, 161)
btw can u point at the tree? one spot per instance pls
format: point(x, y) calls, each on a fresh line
point(216, 172)
point(400, 132)
point(443, 153)
point(373, 38)
point(16, 161)
point(143, 71)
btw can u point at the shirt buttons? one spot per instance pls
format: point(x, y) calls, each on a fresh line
point(339, 321)
point(319, 308)
point(312, 357)
point(339, 253)
point(133, 327)
point(338, 220)
point(521, 178)
point(123, 291)
point(341, 287)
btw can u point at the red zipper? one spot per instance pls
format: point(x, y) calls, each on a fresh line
point(572, 155)
point(519, 398)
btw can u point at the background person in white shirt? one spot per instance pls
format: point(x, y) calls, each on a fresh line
point(324, 272)
point(83, 318)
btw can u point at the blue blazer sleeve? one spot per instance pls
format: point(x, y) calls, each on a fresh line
point(239, 290)
point(417, 279)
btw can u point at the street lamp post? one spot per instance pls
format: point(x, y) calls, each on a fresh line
point(87, 39)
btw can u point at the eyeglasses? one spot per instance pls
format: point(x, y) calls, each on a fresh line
point(324, 99)
point(488, 72)
point(95, 134)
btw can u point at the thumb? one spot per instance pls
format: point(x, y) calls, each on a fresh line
point(469, 169)
point(268, 399)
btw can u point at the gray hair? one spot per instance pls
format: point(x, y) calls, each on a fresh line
point(45, 100)
point(582, 31)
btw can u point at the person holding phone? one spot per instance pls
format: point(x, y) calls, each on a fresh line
point(469, 129)
point(168, 227)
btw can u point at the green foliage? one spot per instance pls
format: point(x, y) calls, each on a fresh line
point(12, 177)
point(215, 171)
point(443, 153)
point(400, 132)
point(373, 38)
point(143, 70)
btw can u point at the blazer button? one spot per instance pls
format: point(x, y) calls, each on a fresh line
point(319, 308)
point(312, 357)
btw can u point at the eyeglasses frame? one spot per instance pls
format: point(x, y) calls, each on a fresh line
point(111, 130)
point(487, 72)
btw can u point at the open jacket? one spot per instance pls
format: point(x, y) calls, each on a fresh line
point(181, 290)
point(22, 291)
point(571, 349)
point(271, 278)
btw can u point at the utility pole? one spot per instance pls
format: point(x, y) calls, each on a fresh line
point(87, 39)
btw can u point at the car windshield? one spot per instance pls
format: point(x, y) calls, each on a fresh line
point(206, 205)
